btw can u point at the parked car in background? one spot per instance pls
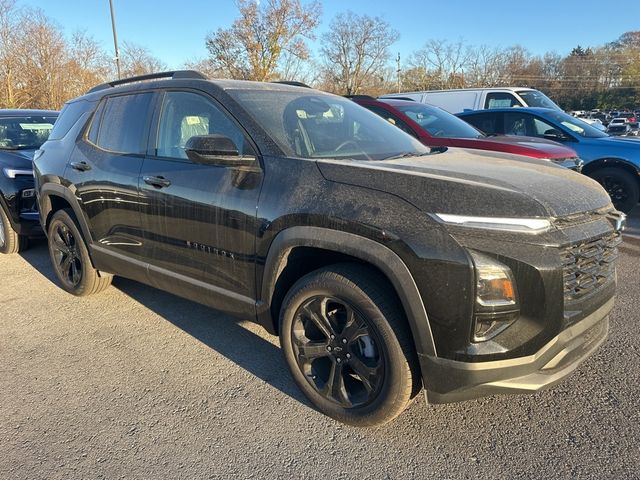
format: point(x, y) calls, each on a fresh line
point(630, 118)
point(455, 101)
point(383, 266)
point(618, 126)
point(21, 134)
point(594, 122)
point(435, 127)
point(613, 161)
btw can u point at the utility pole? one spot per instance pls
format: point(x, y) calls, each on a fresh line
point(398, 71)
point(115, 37)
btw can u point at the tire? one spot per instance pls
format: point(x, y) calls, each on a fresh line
point(70, 257)
point(367, 373)
point(621, 186)
point(10, 241)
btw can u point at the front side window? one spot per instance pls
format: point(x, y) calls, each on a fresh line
point(185, 115)
point(25, 132)
point(316, 125)
point(501, 100)
point(392, 119)
point(517, 123)
point(123, 127)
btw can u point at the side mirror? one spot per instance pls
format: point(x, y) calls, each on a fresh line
point(217, 150)
point(553, 134)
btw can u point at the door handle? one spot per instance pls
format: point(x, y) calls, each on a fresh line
point(80, 166)
point(158, 182)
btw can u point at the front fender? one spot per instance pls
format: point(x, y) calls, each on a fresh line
point(362, 248)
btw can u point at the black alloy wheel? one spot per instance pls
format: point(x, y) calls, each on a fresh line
point(10, 241)
point(622, 187)
point(65, 255)
point(70, 257)
point(337, 351)
point(347, 343)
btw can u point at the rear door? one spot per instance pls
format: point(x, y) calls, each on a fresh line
point(105, 166)
point(199, 221)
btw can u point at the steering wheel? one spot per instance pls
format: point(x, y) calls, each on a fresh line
point(438, 133)
point(347, 142)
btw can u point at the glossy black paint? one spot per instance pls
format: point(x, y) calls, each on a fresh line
point(236, 238)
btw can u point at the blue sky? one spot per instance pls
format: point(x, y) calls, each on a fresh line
point(174, 31)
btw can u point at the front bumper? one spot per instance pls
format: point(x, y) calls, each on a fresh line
point(453, 381)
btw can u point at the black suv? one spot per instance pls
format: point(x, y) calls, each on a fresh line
point(21, 133)
point(384, 266)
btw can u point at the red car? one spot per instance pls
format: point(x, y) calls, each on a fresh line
point(435, 127)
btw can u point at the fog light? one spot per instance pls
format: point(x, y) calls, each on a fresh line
point(496, 298)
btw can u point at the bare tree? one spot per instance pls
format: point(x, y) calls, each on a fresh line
point(443, 61)
point(355, 52)
point(264, 35)
point(138, 60)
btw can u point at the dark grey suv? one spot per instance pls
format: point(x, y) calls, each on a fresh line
point(383, 266)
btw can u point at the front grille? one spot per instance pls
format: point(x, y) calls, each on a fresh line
point(589, 265)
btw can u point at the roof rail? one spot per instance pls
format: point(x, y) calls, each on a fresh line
point(359, 97)
point(176, 74)
point(291, 82)
point(397, 98)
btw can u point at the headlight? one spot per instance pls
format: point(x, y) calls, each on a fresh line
point(14, 172)
point(522, 225)
point(496, 305)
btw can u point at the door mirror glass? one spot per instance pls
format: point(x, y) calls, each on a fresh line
point(554, 134)
point(216, 149)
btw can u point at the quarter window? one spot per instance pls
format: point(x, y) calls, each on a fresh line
point(185, 115)
point(124, 124)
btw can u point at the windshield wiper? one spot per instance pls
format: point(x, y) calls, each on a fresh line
point(409, 154)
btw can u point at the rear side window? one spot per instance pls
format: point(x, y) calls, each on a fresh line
point(489, 123)
point(124, 124)
point(69, 115)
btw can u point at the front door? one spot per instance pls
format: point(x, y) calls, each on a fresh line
point(199, 221)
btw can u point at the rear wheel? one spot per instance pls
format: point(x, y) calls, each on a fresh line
point(70, 257)
point(348, 346)
point(621, 186)
point(10, 241)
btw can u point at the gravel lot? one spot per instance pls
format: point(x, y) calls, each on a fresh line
point(136, 383)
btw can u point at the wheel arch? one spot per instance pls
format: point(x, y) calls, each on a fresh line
point(609, 162)
point(53, 197)
point(340, 246)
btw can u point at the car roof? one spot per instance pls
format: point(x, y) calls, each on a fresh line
point(509, 109)
point(189, 78)
point(19, 112)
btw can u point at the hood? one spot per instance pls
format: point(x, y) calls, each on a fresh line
point(528, 146)
point(17, 159)
point(465, 182)
point(633, 142)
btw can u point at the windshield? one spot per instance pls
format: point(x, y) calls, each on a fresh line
point(438, 122)
point(576, 126)
point(24, 133)
point(313, 125)
point(534, 98)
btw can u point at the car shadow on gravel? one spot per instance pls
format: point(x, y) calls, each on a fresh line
point(218, 331)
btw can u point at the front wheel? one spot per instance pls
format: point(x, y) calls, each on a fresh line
point(10, 241)
point(621, 186)
point(348, 346)
point(70, 257)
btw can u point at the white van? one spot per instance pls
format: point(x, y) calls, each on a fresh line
point(456, 101)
